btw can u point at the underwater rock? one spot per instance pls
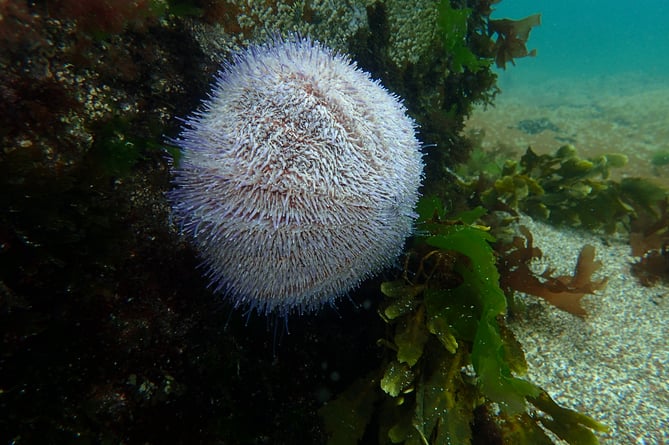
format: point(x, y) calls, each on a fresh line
point(536, 126)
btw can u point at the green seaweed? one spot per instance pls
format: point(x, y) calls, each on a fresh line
point(661, 158)
point(452, 25)
point(348, 418)
point(450, 353)
point(179, 8)
point(117, 151)
point(481, 281)
point(470, 43)
point(564, 188)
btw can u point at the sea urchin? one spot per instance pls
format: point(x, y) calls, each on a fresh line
point(298, 177)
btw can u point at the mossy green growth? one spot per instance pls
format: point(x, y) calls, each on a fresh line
point(452, 26)
point(564, 188)
point(116, 152)
point(450, 353)
point(184, 8)
point(661, 158)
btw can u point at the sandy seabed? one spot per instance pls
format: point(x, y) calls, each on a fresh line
point(614, 364)
point(628, 113)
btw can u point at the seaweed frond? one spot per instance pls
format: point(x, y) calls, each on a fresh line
point(451, 360)
point(564, 188)
point(512, 38)
point(564, 291)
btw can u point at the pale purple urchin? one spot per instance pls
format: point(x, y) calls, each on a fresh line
point(298, 177)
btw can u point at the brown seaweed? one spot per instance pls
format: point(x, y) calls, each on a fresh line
point(650, 232)
point(649, 239)
point(564, 291)
point(484, 7)
point(512, 38)
point(653, 267)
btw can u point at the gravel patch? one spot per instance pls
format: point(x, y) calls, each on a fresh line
point(613, 364)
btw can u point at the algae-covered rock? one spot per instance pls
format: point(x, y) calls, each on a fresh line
point(108, 326)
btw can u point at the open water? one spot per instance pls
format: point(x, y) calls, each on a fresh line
point(581, 38)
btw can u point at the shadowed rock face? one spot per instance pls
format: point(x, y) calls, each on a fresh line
point(108, 328)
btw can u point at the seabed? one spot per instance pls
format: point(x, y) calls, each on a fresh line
point(612, 365)
point(625, 113)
